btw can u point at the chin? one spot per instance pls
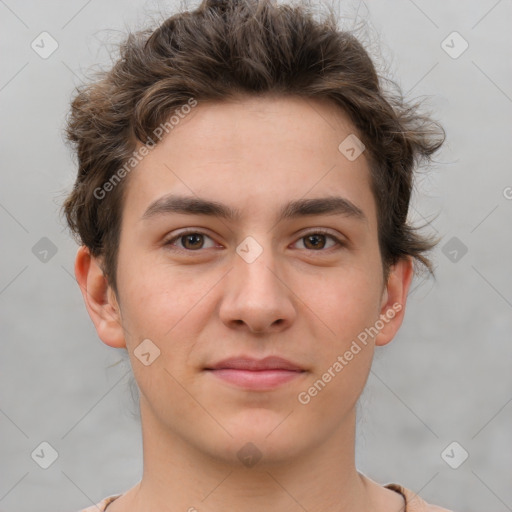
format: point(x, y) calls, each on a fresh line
point(259, 442)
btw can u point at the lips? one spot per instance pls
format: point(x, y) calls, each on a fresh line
point(251, 364)
point(256, 374)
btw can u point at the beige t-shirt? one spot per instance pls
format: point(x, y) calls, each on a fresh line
point(413, 503)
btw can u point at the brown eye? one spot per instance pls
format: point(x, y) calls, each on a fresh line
point(191, 241)
point(317, 241)
point(314, 241)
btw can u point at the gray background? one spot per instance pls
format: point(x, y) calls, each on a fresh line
point(446, 377)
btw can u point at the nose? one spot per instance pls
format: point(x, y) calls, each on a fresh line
point(256, 297)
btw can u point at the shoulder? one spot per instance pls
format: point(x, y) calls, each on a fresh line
point(414, 503)
point(102, 505)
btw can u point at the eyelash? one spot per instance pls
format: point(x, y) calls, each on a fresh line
point(169, 243)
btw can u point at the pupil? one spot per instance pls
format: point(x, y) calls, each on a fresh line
point(192, 237)
point(315, 237)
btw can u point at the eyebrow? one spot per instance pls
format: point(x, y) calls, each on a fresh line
point(332, 205)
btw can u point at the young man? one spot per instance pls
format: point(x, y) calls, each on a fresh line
point(241, 207)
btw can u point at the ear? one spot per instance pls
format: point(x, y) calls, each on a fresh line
point(394, 298)
point(99, 299)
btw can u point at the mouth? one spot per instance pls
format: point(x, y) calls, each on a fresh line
point(256, 374)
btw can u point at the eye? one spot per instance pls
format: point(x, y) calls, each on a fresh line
point(190, 241)
point(193, 241)
point(315, 240)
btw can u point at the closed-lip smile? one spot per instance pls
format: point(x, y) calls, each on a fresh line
point(256, 374)
point(249, 363)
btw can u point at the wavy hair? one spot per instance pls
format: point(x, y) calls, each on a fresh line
point(224, 49)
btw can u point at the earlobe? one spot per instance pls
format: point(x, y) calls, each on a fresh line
point(99, 299)
point(394, 300)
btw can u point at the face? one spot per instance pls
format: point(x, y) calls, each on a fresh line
point(286, 263)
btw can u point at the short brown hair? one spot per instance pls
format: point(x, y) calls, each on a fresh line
point(224, 49)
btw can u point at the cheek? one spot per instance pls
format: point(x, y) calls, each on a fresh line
point(156, 295)
point(169, 307)
point(347, 300)
point(349, 308)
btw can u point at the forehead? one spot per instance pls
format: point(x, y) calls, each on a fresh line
point(253, 152)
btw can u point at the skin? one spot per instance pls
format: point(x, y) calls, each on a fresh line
point(303, 303)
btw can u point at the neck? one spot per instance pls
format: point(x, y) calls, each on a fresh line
point(177, 476)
